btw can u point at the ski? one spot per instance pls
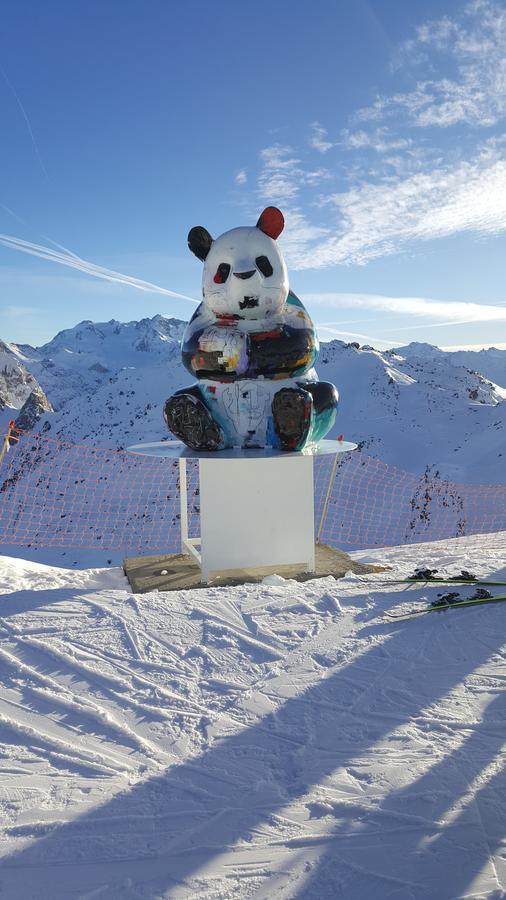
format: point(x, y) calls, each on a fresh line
point(441, 606)
point(430, 576)
point(454, 580)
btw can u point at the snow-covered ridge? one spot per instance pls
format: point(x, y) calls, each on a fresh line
point(415, 407)
point(490, 363)
point(418, 411)
point(79, 360)
point(113, 343)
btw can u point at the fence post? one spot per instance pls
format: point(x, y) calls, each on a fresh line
point(6, 441)
point(327, 498)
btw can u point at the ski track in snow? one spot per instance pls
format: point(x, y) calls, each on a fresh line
point(280, 740)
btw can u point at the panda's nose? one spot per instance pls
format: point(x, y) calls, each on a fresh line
point(244, 274)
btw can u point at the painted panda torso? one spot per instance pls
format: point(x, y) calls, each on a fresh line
point(226, 349)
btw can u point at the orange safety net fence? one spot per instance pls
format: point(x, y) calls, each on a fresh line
point(60, 494)
point(373, 504)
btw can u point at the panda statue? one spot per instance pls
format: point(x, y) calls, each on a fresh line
point(252, 347)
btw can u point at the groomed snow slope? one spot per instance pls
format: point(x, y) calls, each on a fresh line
point(269, 741)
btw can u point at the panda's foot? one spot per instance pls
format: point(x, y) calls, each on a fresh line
point(291, 410)
point(189, 419)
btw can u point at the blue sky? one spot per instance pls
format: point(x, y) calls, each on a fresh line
point(378, 128)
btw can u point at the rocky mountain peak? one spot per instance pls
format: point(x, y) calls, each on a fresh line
point(33, 409)
point(16, 382)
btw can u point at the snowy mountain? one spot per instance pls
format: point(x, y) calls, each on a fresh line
point(417, 407)
point(490, 363)
point(79, 360)
point(418, 412)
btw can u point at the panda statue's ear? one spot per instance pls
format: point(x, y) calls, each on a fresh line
point(199, 241)
point(271, 222)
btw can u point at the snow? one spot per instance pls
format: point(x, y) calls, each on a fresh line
point(275, 740)
point(424, 411)
point(413, 408)
point(491, 363)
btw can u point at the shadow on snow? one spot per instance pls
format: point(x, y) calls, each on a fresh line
point(162, 831)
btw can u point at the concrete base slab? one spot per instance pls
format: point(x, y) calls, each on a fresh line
point(181, 573)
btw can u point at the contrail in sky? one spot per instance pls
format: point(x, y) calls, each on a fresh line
point(75, 262)
point(356, 334)
point(27, 120)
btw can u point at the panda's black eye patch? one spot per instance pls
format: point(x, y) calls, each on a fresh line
point(264, 266)
point(222, 273)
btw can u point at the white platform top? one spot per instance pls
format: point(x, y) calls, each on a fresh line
point(177, 450)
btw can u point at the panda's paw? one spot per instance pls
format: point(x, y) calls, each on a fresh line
point(291, 410)
point(190, 420)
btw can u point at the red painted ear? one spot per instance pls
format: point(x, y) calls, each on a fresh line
point(271, 222)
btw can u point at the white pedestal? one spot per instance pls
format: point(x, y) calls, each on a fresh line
point(256, 506)
point(265, 513)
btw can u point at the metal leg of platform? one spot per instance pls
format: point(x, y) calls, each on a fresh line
point(188, 545)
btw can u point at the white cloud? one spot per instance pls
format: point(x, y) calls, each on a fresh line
point(280, 176)
point(299, 235)
point(475, 94)
point(376, 219)
point(412, 189)
point(450, 311)
point(377, 140)
point(280, 182)
point(241, 177)
point(283, 174)
point(319, 139)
